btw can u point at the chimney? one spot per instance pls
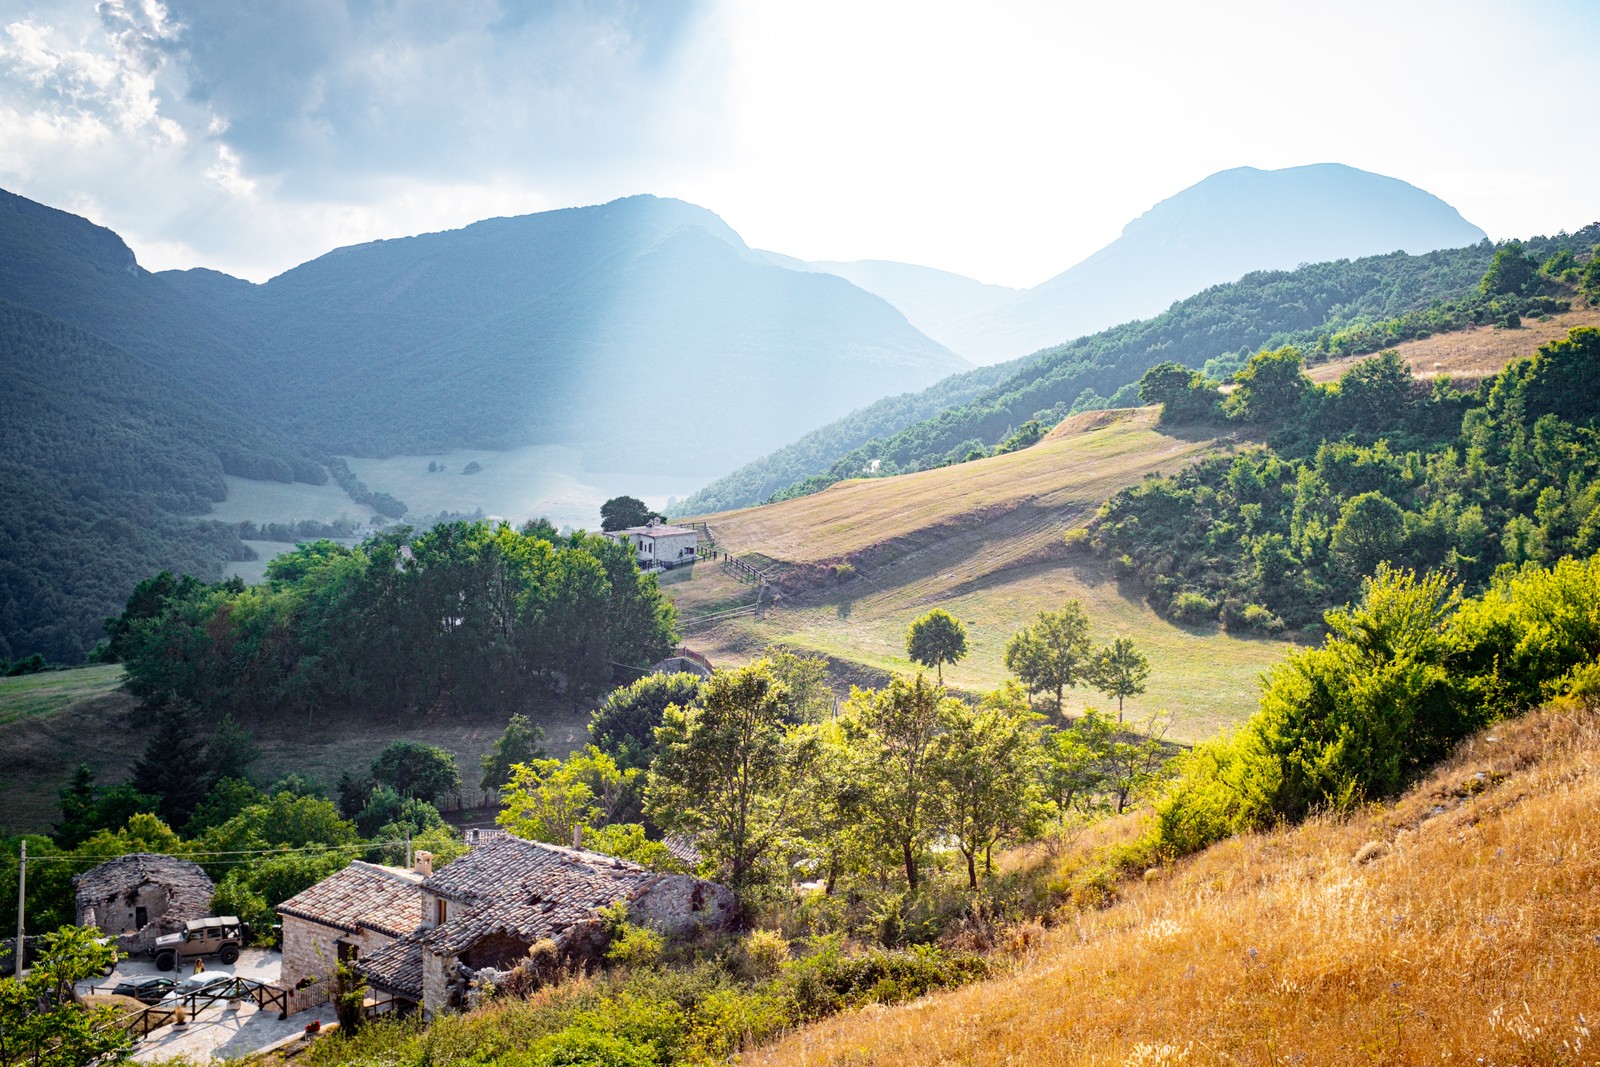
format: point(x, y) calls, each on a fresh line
point(577, 836)
point(424, 864)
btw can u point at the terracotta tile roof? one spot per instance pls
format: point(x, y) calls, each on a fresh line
point(529, 922)
point(511, 870)
point(188, 887)
point(396, 968)
point(385, 899)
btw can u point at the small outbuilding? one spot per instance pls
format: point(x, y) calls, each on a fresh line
point(141, 896)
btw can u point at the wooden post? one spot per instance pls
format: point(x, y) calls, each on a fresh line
point(22, 896)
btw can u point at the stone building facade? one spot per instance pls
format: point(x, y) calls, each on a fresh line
point(349, 915)
point(488, 908)
point(141, 896)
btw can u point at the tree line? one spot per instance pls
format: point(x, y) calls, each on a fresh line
point(467, 615)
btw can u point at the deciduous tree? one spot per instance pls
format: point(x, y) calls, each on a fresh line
point(935, 639)
point(1053, 653)
point(1120, 670)
point(732, 772)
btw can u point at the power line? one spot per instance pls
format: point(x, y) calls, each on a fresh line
point(35, 860)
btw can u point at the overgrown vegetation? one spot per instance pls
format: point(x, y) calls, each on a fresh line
point(1376, 467)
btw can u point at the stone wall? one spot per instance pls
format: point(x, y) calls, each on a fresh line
point(674, 903)
point(310, 951)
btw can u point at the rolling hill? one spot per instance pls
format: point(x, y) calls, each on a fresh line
point(1216, 328)
point(984, 540)
point(1453, 925)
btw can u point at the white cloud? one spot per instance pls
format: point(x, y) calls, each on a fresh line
point(1006, 141)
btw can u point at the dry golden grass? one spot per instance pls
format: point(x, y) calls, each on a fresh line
point(1073, 469)
point(1475, 353)
point(984, 541)
point(1470, 933)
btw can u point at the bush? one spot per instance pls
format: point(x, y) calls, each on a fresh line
point(1192, 607)
point(635, 946)
point(1256, 617)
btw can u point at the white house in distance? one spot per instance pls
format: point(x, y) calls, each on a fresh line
point(657, 545)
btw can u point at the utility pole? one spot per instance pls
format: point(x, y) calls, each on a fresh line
point(22, 896)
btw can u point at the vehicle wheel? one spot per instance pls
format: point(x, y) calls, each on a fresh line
point(165, 961)
point(229, 954)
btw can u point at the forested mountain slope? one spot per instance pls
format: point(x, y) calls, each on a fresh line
point(103, 458)
point(567, 327)
point(1330, 308)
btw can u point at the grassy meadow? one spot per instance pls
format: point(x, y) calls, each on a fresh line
point(1474, 353)
point(51, 722)
point(1460, 924)
point(985, 541)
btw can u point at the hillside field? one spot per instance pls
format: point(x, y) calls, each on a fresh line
point(1475, 353)
point(985, 541)
point(1460, 924)
point(51, 722)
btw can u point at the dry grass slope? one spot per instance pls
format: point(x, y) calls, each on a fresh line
point(1475, 353)
point(1458, 925)
point(984, 540)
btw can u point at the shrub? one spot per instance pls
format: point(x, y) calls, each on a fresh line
point(1192, 607)
point(635, 946)
point(762, 954)
point(1259, 618)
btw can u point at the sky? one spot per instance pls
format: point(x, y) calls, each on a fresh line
point(1005, 141)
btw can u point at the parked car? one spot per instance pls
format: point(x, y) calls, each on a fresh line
point(205, 988)
point(149, 990)
point(220, 936)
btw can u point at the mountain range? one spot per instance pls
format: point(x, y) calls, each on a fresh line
point(1215, 231)
point(643, 333)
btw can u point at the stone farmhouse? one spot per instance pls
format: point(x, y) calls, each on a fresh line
point(419, 936)
point(139, 897)
point(658, 546)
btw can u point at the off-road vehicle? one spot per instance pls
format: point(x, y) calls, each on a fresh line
point(219, 936)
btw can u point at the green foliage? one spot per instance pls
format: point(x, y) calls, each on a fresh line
point(174, 766)
point(87, 808)
point(625, 725)
point(986, 763)
point(621, 512)
point(522, 741)
point(559, 801)
point(95, 491)
point(935, 639)
point(1511, 271)
point(1119, 670)
point(466, 615)
point(41, 1024)
point(1269, 388)
point(1184, 395)
point(890, 734)
point(731, 773)
point(1053, 653)
point(1276, 537)
point(414, 769)
point(1404, 674)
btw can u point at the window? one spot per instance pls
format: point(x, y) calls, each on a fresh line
point(440, 912)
